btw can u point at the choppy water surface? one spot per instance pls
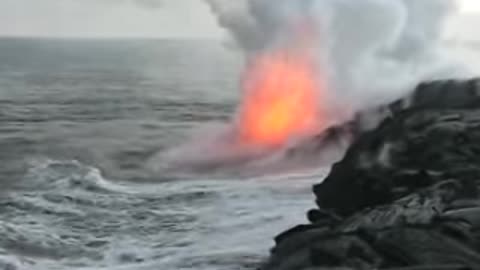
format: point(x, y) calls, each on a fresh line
point(80, 122)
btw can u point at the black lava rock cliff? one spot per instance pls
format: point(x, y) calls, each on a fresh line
point(405, 196)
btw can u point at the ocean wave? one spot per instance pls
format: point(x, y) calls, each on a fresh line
point(68, 174)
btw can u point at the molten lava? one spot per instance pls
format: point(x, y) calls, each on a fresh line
point(281, 96)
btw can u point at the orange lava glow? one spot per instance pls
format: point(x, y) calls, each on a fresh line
point(281, 97)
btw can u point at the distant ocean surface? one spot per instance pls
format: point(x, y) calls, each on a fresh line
point(81, 120)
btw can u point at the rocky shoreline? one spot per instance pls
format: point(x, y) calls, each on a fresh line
point(406, 194)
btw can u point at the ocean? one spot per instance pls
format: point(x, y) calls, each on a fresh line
point(82, 123)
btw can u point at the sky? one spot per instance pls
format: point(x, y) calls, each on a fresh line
point(107, 18)
point(124, 18)
point(470, 6)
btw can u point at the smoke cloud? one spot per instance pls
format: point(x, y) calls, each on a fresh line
point(369, 51)
point(356, 55)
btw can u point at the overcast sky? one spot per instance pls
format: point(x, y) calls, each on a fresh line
point(107, 18)
point(118, 18)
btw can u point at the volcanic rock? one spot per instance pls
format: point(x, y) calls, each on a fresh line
point(404, 197)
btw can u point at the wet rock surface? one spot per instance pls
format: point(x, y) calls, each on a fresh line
point(406, 194)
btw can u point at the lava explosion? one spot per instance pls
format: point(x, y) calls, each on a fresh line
point(312, 65)
point(281, 98)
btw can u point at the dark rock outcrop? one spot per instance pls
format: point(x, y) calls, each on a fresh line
point(406, 194)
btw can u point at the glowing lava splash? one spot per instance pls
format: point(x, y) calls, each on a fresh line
point(281, 99)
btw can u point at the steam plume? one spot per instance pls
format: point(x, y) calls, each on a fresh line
point(372, 51)
point(345, 55)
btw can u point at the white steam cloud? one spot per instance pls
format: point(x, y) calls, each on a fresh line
point(367, 52)
point(370, 51)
